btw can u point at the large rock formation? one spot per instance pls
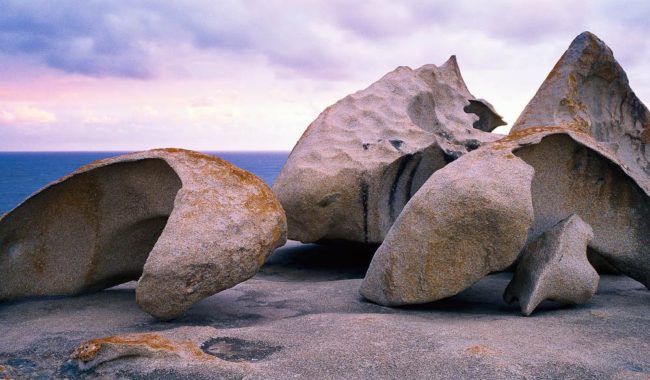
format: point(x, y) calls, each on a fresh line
point(440, 243)
point(589, 90)
point(555, 267)
point(584, 134)
point(471, 218)
point(186, 224)
point(361, 160)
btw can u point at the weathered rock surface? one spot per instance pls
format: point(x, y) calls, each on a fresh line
point(589, 90)
point(301, 316)
point(185, 224)
point(177, 348)
point(584, 135)
point(441, 242)
point(555, 267)
point(469, 219)
point(361, 160)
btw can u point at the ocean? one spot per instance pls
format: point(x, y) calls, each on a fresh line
point(22, 173)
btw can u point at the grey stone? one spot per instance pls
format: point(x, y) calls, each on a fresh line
point(360, 161)
point(588, 90)
point(187, 225)
point(468, 220)
point(555, 267)
point(573, 173)
point(441, 243)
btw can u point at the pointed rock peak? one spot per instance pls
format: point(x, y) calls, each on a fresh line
point(448, 72)
point(451, 63)
point(573, 93)
point(589, 91)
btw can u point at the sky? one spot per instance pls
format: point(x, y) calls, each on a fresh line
point(251, 75)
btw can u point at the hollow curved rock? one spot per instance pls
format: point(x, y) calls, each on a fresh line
point(361, 160)
point(187, 225)
point(588, 89)
point(435, 249)
point(555, 267)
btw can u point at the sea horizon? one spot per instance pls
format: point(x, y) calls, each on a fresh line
point(22, 173)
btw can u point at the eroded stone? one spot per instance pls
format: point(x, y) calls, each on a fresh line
point(588, 89)
point(555, 267)
point(361, 160)
point(187, 225)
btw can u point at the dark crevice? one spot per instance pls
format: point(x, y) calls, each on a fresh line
point(393, 189)
point(364, 202)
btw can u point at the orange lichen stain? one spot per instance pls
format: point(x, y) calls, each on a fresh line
point(599, 313)
point(366, 319)
point(514, 136)
point(509, 156)
point(645, 135)
point(89, 350)
point(38, 263)
point(481, 350)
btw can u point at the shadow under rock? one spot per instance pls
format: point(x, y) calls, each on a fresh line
point(318, 262)
point(486, 298)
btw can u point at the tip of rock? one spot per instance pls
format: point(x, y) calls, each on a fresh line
point(587, 40)
point(452, 63)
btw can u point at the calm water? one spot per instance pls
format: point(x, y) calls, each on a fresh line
point(23, 173)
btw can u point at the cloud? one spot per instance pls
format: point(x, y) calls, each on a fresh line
point(129, 38)
point(27, 115)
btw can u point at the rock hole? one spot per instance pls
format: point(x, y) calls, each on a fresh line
point(487, 118)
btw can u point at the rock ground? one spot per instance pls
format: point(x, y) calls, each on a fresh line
point(302, 316)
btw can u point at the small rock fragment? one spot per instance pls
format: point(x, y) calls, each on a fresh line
point(555, 267)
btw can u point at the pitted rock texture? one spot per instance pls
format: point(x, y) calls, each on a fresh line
point(555, 267)
point(363, 158)
point(589, 90)
point(187, 225)
point(441, 243)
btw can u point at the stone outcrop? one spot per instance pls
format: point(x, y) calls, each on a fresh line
point(440, 243)
point(589, 90)
point(187, 225)
point(583, 134)
point(555, 267)
point(363, 158)
point(471, 218)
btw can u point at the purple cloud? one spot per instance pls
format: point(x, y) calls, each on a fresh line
point(123, 38)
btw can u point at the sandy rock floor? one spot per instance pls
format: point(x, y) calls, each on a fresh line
point(302, 317)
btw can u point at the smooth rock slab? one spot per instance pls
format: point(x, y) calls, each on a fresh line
point(187, 225)
point(555, 267)
point(327, 330)
point(363, 158)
